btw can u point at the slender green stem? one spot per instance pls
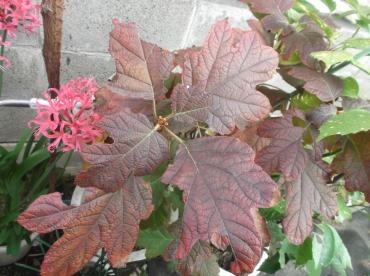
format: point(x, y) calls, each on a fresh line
point(2, 48)
point(361, 54)
point(361, 67)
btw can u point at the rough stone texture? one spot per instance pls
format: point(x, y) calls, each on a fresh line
point(13, 121)
point(202, 19)
point(161, 22)
point(26, 77)
point(97, 65)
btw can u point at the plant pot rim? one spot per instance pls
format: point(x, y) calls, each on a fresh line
point(6, 259)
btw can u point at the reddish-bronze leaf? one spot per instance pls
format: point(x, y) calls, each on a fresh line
point(325, 86)
point(141, 67)
point(250, 136)
point(274, 10)
point(109, 103)
point(256, 26)
point(179, 58)
point(110, 221)
point(354, 162)
point(308, 193)
point(305, 43)
point(137, 148)
point(321, 114)
point(200, 261)
point(47, 213)
point(229, 71)
point(275, 96)
point(189, 105)
point(310, 25)
point(285, 153)
point(223, 188)
point(270, 6)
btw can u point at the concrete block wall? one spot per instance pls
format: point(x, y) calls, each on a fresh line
point(172, 24)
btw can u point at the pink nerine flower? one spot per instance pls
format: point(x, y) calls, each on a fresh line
point(14, 13)
point(69, 119)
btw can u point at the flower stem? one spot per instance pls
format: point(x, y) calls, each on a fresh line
point(2, 48)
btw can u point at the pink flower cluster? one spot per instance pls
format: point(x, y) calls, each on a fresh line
point(68, 119)
point(15, 13)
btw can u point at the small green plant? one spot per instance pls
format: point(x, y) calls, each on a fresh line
point(24, 174)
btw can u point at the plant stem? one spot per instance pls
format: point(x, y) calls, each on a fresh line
point(361, 54)
point(2, 48)
point(175, 136)
point(184, 144)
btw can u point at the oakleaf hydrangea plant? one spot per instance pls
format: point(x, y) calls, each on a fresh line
point(198, 131)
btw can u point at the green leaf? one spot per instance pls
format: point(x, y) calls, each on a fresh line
point(328, 249)
point(270, 265)
point(155, 241)
point(294, 59)
point(300, 253)
point(209, 267)
point(158, 217)
point(275, 231)
point(357, 43)
point(275, 213)
point(350, 88)
point(4, 234)
point(342, 258)
point(351, 121)
point(311, 269)
point(344, 212)
point(332, 57)
point(304, 252)
point(174, 197)
point(331, 4)
point(305, 101)
point(30, 163)
point(158, 188)
point(13, 245)
point(288, 249)
point(360, 66)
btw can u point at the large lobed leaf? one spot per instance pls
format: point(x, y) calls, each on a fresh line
point(109, 220)
point(227, 70)
point(325, 86)
point(110, 103)
point(275, 19)
point(223, 188)
point(137, 148)
point(304, 43)
point(249, 135)
point(141, 67)
point(285, 153)
point(354, 162)
point(200, 261)
point(306, 194)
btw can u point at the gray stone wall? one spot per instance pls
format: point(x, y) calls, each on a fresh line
point(172, 24)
